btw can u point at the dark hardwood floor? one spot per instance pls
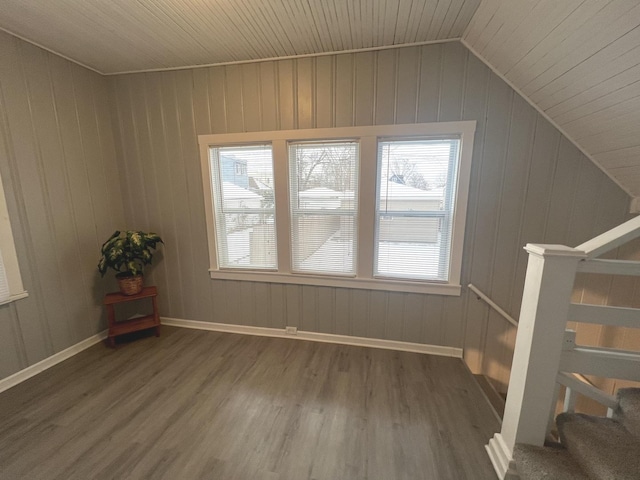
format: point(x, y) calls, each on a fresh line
point(203, 405)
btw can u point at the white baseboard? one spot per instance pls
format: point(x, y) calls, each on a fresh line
point(22, 375)
point(501, 458)
point(316, 337)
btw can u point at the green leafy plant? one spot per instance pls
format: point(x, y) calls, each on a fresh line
point(128, 252)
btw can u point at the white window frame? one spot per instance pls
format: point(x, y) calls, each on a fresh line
point(343, 212)
point(368, 137)
point(9, 256)
point(445, 215)
point(222, 209)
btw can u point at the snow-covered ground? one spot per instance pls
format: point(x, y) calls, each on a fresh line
point(239, 247)
point(417, 259)
point(395, 259)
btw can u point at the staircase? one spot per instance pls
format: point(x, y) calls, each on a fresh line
point(595, 448)
point(546, 357)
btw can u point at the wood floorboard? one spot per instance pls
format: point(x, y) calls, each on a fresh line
point(205, 405)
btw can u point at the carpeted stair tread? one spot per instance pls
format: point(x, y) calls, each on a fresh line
point(628, 411)
point(603, 447)
point(544, 463)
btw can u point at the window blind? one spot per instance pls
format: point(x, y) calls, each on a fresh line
point(415, 206)
point(324, 206)
point(244, 208)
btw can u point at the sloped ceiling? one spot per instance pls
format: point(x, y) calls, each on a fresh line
point(126, 35)
point(577, 61)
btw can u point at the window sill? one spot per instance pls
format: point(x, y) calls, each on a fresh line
point(339, 282)
point(13, 298)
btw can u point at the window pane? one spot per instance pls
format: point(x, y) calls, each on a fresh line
point(416, 192)
point(242, 182)
point(324, 197)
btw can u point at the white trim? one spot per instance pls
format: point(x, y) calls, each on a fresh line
point(290, 57)
point(609, 267)
point(368, 137)
point(634, 206)
point(281, 202)
point(604, 315)
point(575, 383)
point(77, 62)
point(343, 282)
point(547, 117)
point(501, 458)
point(601, 362)
point(234, 62)
point(544, 250)
point(14, 297)
point(36, 368)
point(316, 337)
point(465, 129)
point(611, 239)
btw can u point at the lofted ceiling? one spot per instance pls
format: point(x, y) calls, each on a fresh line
point(126, 35)
point(576, 61)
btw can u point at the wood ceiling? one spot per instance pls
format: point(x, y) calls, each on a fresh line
point(577, 61)
point(125, 35)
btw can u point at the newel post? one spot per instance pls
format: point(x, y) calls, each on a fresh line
point(543, 318)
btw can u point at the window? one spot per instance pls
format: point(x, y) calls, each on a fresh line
point(379, 207)
point(414, 208)
point(244, 211)
point(10, 281)
point(324, 206)
point(241, 168)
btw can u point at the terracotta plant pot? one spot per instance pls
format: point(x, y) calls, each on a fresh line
point(130, 285)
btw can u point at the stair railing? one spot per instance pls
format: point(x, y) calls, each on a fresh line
point(482, 296)
point(542, 349)
point(577, 384)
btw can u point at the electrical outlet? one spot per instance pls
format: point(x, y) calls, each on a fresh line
point(291, 330)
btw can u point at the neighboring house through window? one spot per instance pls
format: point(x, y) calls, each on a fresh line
point(323, 199)
point(379, 207)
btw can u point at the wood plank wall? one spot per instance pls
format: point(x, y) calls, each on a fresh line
point(529, 184)
point(57, 162)
point(63, 187)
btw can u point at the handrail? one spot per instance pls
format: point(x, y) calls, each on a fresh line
point(601, 362)
point(492, 304)
point(575, 382)
point(609, 267)
point(611, 239)
point(605, 315)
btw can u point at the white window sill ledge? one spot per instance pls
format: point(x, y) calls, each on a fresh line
point(13, 298)
point(340, 282)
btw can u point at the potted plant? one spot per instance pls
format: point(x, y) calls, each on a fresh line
point(127, 253)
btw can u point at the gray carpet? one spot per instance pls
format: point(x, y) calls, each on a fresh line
point(628, 411)
point(594, 448)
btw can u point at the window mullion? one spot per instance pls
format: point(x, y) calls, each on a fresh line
point(367, 202)
point(444, 267)
point(283, 222)
point(221, 224)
